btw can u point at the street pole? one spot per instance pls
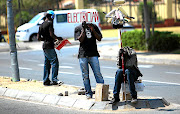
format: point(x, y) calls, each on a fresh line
point(12, 43)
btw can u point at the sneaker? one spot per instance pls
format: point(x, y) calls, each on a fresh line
point(88, 96)
point(134, 100)
point(114, 101)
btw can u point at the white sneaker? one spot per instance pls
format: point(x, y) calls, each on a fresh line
point(134, 100)
point(88, 96)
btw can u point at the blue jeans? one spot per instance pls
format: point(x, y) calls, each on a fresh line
point(50, 60)
point(94, 63)
point(120, 79)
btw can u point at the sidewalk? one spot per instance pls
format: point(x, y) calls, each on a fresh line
point(34, 91)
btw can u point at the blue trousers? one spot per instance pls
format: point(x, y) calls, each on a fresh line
point(51, 60)
point(120, 79)
point(94, 63)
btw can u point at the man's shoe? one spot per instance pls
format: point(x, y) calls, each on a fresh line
point(88, 96)
point(114, 101)
point(134, 100)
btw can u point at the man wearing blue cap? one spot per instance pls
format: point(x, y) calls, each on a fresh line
point(46, 34)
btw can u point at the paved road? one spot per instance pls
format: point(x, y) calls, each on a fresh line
point(160, 80)
point(10, 106)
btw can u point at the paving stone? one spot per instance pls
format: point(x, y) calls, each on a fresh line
point(141, 103)
point(99, 105)
point(38, 97)
point(66, 101)
point(2, 91)
point(25, 95)
point(52, 99)
point(155, 103)
point(83, 104)
point(116, 106)
point(11, 93)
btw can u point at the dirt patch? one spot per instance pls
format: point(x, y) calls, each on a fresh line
point(36, 86)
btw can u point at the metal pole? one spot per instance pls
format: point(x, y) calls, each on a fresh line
point(12, 44)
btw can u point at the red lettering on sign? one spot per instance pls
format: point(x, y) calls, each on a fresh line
point(78, 17)
point(69, 18)
point(94, 16)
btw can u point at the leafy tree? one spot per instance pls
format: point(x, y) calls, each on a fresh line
point(28, 6)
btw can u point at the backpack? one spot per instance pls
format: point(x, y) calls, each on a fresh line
point(130, 59)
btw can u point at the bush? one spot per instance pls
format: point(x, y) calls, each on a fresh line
point(134, 39)
point(163, 42)
point(160, 42)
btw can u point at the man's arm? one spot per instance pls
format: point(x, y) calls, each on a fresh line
point(96, 32)
point(51, 31)
point(39, 36)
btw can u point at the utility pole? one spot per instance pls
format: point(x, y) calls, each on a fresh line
point(12, 42)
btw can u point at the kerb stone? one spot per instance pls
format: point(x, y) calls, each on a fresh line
point(38, 97)
point(25, 95)
point(83, 104)
point(51, 99)
point(66, 101)
point(2, 91)
point(11, 93)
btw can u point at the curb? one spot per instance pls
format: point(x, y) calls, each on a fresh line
point(81, 103)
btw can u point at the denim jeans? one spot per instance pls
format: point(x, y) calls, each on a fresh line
point(50, 60)
point(94, 63)
point(120, 79)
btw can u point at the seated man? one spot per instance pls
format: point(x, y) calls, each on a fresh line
point(131, 73)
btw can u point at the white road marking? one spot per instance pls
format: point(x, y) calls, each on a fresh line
point(149, 81)
point(161, 82)
point(23, 68)
point(109, 67)
point(68, 73)
point(140, 66)
point(69, 67)
point(32, 60)
point(173, 72)
point(69, 64)
point(40, 64)
point(145, 66)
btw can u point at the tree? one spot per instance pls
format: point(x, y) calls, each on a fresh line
point(147, 20)
point(31, 6)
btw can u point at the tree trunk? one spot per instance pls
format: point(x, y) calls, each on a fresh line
point(153, 17)
point(147, 21)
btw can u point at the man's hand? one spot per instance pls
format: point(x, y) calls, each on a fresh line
point(91, 27)
point(60, 38)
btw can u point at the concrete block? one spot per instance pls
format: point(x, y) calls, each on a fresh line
point(2, 91)
point(102, 92)
point(25, 95)
point(11, 93)
point(128, 96)
point(51, 99)
point(99, 105)
point(38, 97)
point(83, 104)
point(66, 101)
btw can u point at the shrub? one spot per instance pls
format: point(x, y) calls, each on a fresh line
point(160, 42)
point(163, 42)
point(134, 39)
